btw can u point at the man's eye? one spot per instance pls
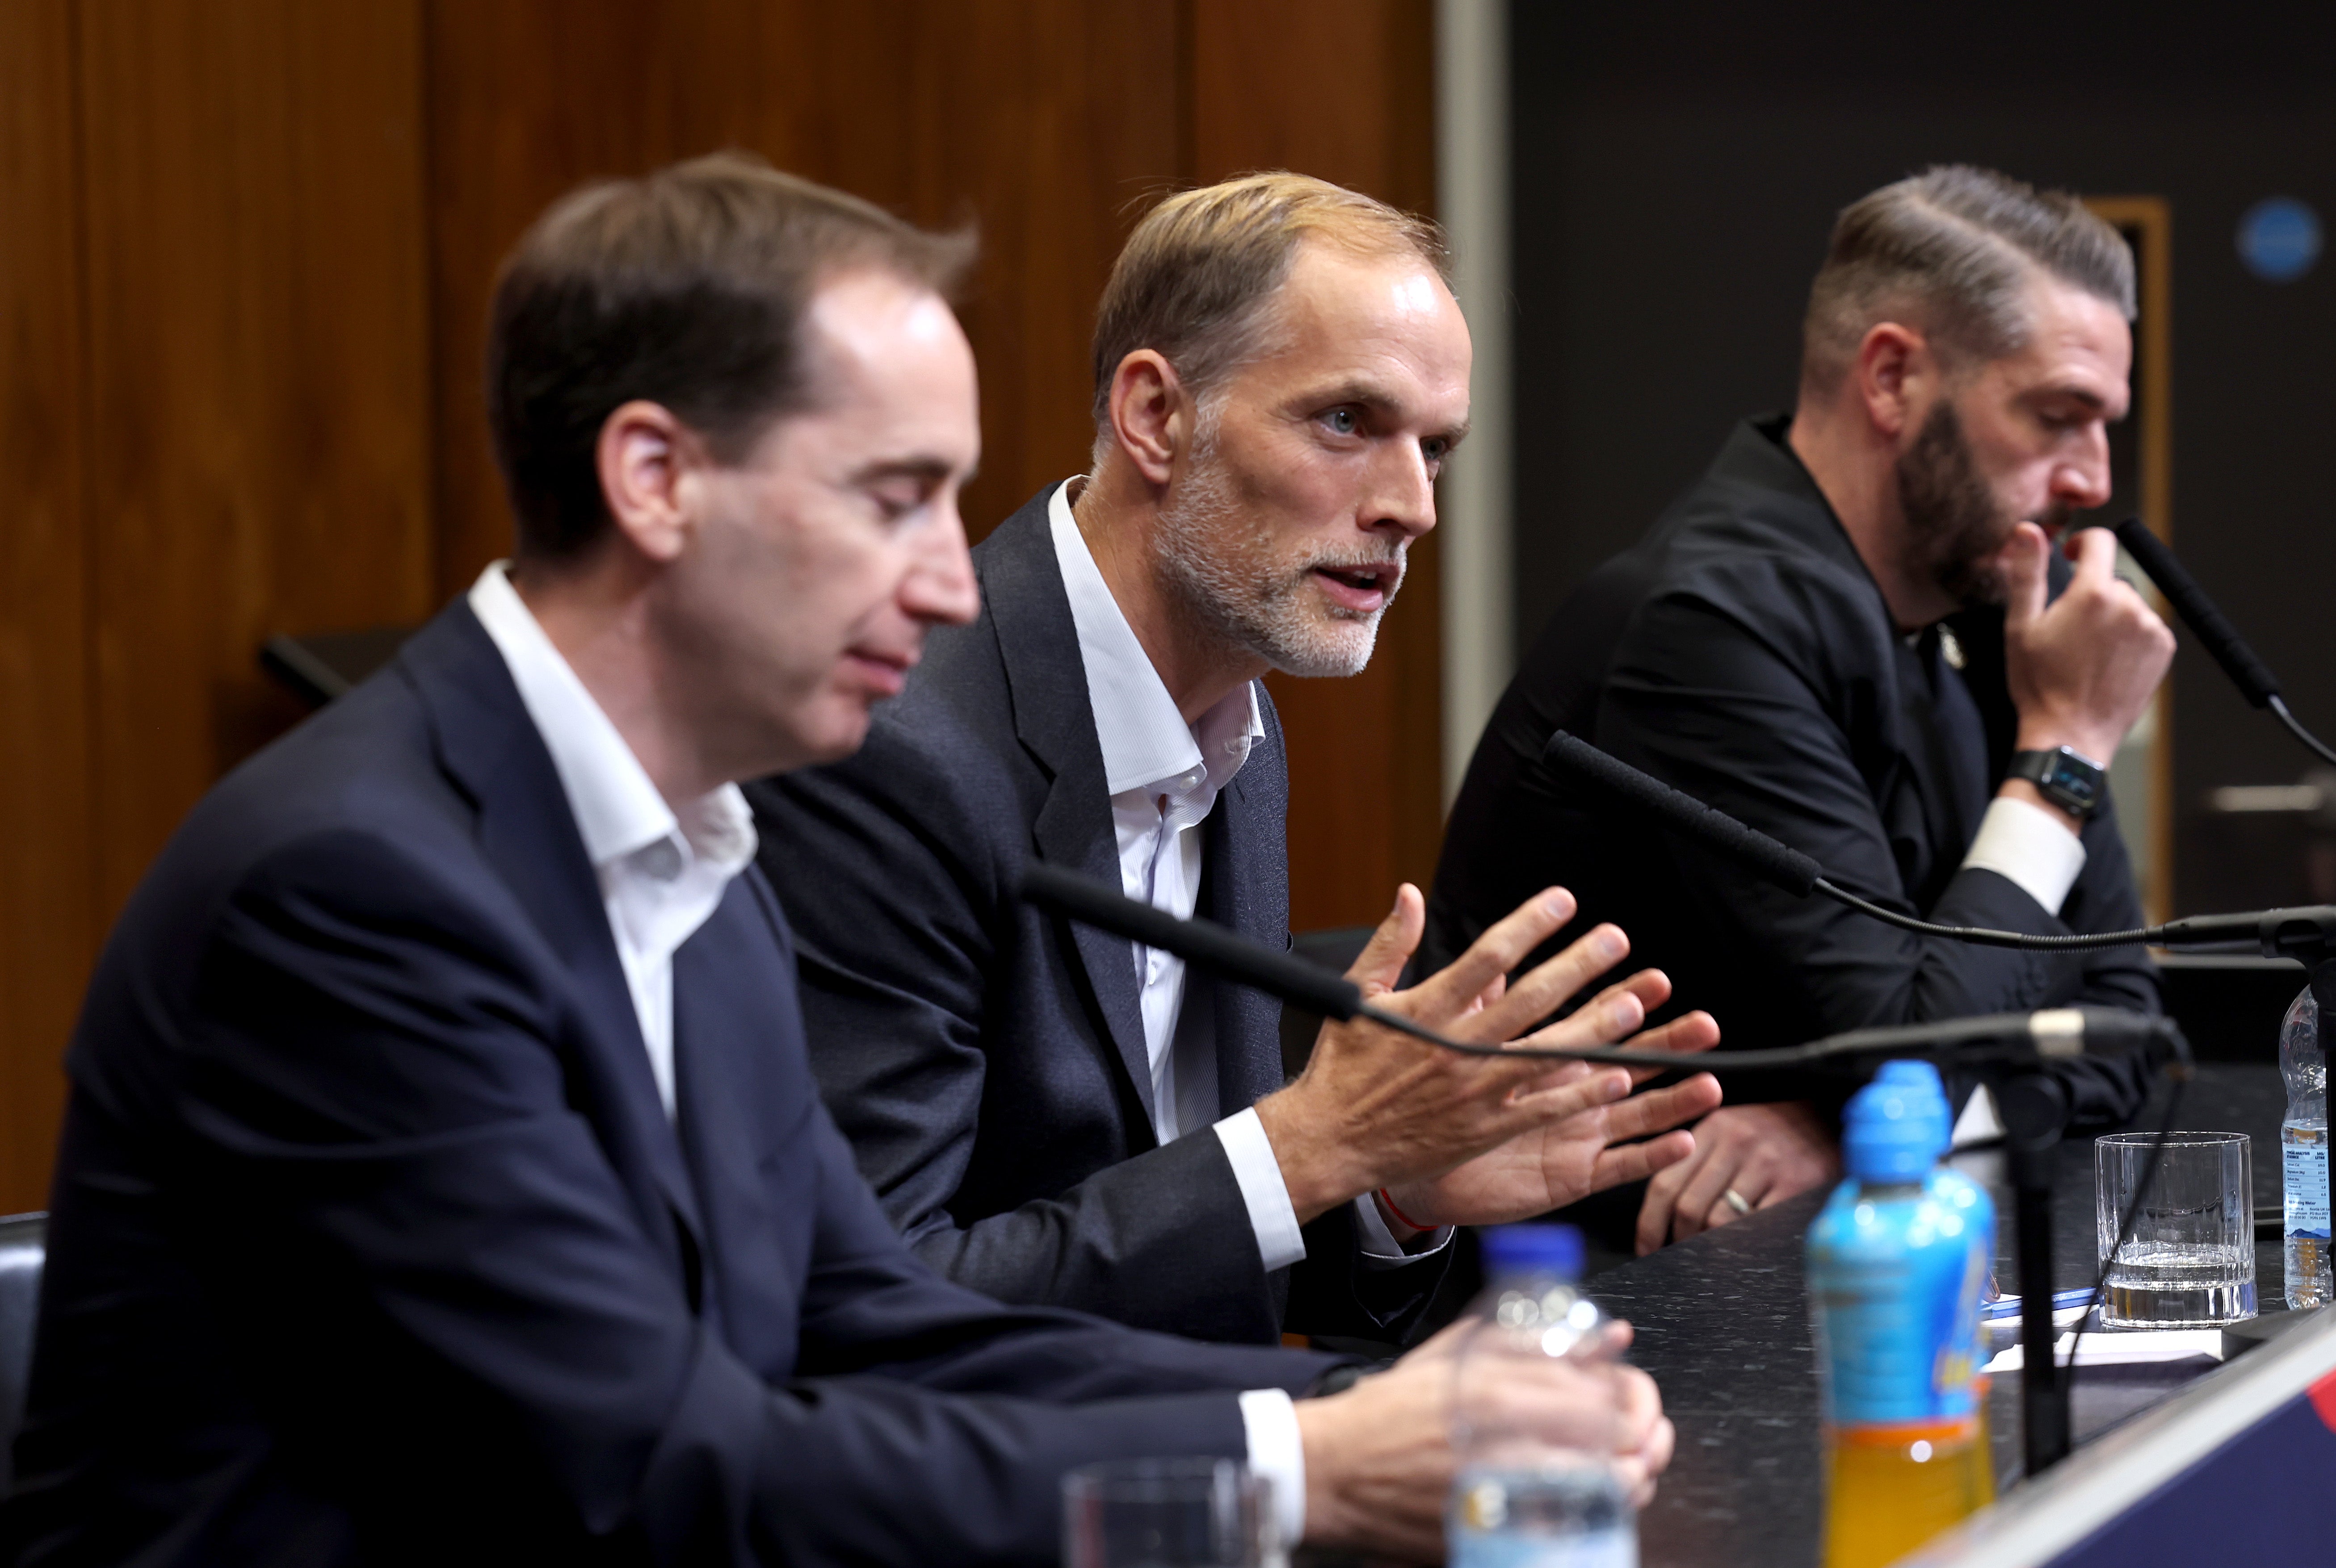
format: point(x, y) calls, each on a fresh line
point(1341, 420)
point(1436, 450)
point(895, 503)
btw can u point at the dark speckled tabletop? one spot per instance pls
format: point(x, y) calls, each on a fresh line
point(1723, 1325)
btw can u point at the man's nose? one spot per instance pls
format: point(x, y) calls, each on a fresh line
point(2081, 482)
point(941, 588)
point(1404, 491)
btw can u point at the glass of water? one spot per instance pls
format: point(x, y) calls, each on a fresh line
point(1168, 1513)
point(2191, 1262)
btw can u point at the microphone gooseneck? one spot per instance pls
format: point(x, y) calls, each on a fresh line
point(1999, 1036)
point(2304, 933)
point(2215, 631)
point(1787, 868)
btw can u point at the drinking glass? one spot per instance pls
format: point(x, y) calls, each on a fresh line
point(2191, 1262)
point(1168, 1514)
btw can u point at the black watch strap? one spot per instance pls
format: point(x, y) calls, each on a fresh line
point(2067, 778)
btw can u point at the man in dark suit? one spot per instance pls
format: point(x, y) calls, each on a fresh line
point(442, 1178)
point(1851, 634)
point(1054, 1115)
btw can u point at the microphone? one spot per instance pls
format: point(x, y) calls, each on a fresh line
point(1763, 856)
point(1196, 942)
point(2304, 933)
point(2213, 629)
point(2222, 639)
point(2016, 1038)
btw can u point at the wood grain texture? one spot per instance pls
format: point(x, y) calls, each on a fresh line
point(1344, 91)
point(1040, 122)
point(257, 364)
point(48, 923)
point(244, 274)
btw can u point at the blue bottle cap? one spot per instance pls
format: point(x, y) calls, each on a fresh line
point(1532, 1250)
point(1896, 1126)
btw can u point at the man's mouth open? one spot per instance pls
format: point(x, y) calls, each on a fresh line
point(1361, 590)
point(884, 671)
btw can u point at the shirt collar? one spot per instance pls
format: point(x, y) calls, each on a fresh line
point(618, 810)
point(1144, 739)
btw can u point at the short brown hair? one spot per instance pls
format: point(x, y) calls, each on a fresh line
point(1195, 280)
point(1950, 251)
point(684, 288)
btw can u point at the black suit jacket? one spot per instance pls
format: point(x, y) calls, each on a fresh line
point(1741, 652)
point(986, 1061)
point(372, 1241)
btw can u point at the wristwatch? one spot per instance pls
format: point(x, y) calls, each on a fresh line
point(2067, 778)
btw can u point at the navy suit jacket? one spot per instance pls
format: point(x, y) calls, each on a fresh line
point(372, 1241)
point(987, 1061)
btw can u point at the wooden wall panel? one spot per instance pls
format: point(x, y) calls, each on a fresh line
point(1343, 89)
point(1041, 121)
point(247, 250)
point(258, 371)
point(49, 931)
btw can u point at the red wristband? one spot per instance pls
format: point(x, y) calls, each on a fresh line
point(1399, 1214)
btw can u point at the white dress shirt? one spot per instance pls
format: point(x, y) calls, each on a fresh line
point(1163, 775)
point(661, 871)
point(2028, 845)
point(662, 874)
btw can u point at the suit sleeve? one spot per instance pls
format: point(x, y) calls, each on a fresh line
point(896, 890)
point(1699, 701)
point(427, 1229)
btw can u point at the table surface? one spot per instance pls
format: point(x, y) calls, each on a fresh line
point(1723, 1325)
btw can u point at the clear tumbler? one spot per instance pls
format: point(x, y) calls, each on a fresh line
point(2191, 1262)
point(1168, 1513)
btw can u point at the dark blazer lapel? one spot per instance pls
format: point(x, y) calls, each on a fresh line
point(1245, 884)
point(489, 746)
point(1037, 641)
point(746, 1096)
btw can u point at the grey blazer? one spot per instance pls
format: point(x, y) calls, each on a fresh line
point(986, 1061)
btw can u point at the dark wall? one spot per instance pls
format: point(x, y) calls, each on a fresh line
point(1677, 171)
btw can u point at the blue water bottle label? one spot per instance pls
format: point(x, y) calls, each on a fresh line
point(2303, 1172)
point(1898, 1308)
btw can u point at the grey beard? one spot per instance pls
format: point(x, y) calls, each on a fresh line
point(1222, 565)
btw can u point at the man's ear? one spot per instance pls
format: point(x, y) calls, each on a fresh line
point(1895, 370)
point(1151, 417)
point(644, 454)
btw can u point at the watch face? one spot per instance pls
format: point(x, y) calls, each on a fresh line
point(2073, 782)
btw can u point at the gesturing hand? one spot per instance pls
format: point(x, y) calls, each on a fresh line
point(1376, 1110)
point(1562, 1162)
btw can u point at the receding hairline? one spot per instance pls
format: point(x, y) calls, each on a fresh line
point(1265, 325)
point(1199, 281)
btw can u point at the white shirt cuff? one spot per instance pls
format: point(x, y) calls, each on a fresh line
point(2031, 847)
point(1263, 1189)
point(1381, 1249)
point(1277, 1453)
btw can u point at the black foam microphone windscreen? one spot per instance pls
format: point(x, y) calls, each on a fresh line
point(2220, 638)
point(1212, 947)
point(1784, 866)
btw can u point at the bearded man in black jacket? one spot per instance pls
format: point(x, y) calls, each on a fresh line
point(1853, 633)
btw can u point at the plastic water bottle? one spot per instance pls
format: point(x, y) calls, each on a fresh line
point(1530, 1493)
point(1898, 1259)
point(2303, 1155)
